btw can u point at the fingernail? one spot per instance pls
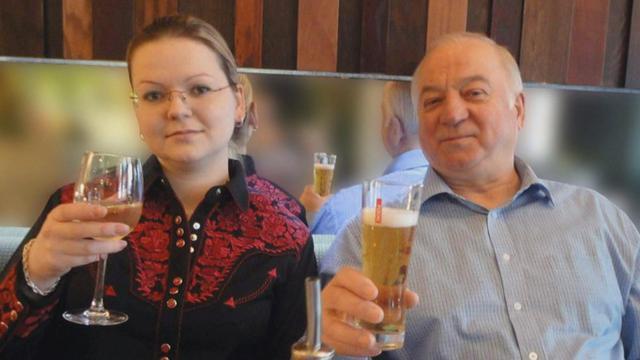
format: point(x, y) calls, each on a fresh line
point(122, 243)
point(365, 340)
point(122, 229)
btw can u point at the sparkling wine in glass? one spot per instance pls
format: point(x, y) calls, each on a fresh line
point(115, 182)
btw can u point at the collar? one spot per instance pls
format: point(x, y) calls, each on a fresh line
point(407, 160)
point(531, 186)
point(248, 164)
point(236, 186)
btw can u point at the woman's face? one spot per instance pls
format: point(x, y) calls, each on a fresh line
point(185, 108)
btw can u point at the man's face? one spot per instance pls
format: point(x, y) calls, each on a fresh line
point(469, 115)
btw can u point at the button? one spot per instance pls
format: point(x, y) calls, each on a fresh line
point(18, 306)
point(196, 225)
point(180, 243)
point(506, 257)
point(180, 232)
point(13, 315)
point(218, 191)
point(178, 220)
point(191, 249)
point(164, 358)
point(3, 327)
point(162, 180)
point(173, 290)
point(177, 281)
point(494, 215)
point(193, 237)
point(165, 348)
point(517, 306)
point(533, 356)
point(172, 303)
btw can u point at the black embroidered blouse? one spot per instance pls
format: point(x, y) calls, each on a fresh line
point(226, 284)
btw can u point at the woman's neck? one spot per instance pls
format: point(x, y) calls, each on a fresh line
point(190, 182)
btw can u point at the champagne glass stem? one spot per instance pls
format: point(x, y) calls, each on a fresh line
point(97, 304)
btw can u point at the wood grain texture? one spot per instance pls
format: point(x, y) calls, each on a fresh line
point(479, 16)
point(77, 29)
point(112, 28)
point(219, 13)
point(588, 42)
point(248, 33)
point(280, 34)
point(318, 35)
point(21, 28)
point(145, 11)
point(349, 35)
point(446, 16)
point(617, 40)
point(375, 22)
point(506, 24)
point(546, 33)
point(405, 36)
point(632, 79)
point(53, 28)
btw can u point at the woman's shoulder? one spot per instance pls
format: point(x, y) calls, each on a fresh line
point(272, 197)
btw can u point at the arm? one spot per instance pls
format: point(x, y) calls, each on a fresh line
point(288, 320)
point(630, 333)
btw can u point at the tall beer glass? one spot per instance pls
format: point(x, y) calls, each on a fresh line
point(323, 165)
point(389, 219)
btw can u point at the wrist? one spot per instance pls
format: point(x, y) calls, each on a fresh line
point(42, 288)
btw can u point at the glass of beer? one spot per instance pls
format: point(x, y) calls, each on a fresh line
point(389, 219)
point(323, 165)
point(115, 182)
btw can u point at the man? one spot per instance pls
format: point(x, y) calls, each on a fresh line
point(399, 133)
point(506, 265)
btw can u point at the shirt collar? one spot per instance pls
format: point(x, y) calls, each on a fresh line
point(237, 185)
point(407, 160)
point(248, 164)
point(531, 185)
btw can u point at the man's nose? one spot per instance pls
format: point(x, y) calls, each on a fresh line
point(454, 110)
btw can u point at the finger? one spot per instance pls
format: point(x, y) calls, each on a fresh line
point(336, 298)
point(411, 299)
point(350, 341)
point(77, 211)
point(85, 229)
point(353, 280)
point(87, 247)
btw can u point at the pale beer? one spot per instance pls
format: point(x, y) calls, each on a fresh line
point(387, 236)
point(322, 178)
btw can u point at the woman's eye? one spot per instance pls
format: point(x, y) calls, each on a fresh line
point(153, 96)
point(200, 90)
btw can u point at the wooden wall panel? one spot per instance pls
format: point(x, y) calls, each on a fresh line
point(349, 35)
point(21, 28)
point(219, 13)
point(506, 24)
point(280, 34)
point(617, 40)
point(112, 28)
point(145, 11)
point(318, 35)
point(405, 36)
point(446, 16)
point(53, 28)
point(77, 29)
point(546, 35)
point(248, 33)
point(375, 22)
point(588, 42)
point(632, 79)
point(479, 16)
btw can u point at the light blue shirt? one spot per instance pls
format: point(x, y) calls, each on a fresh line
point(409, 166)
point(553, 274)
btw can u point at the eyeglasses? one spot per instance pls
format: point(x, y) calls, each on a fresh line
point(157, 97)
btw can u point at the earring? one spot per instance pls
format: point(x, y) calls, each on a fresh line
point(141, 136)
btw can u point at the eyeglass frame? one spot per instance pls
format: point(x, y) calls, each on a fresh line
point(135, 98)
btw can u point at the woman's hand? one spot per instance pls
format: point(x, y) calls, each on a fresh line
point(349, 297)
point(66, 241)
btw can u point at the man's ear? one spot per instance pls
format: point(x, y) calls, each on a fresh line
point(519, 107)
point(395, 132)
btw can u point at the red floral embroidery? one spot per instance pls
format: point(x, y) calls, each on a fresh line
point(274, 193)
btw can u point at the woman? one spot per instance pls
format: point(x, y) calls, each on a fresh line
point(214, 269)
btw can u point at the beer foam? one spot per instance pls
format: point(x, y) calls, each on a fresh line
point(394, 218)
point(324, 166)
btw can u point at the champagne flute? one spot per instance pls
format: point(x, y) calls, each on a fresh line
point(115, 182)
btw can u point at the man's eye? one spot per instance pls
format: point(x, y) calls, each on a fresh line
point(476, 93)
point(430, 102)
point(200, 90)
point(153, 96)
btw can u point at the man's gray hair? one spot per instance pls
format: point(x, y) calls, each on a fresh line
point(397, 100)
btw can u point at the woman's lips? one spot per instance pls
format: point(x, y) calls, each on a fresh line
point(183, 133)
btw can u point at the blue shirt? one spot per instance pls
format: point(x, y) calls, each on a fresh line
point(409, 166)
point(553, 274)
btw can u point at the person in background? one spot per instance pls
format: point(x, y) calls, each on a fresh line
point(216, 266)
point(399, 135)
point(506, 265)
